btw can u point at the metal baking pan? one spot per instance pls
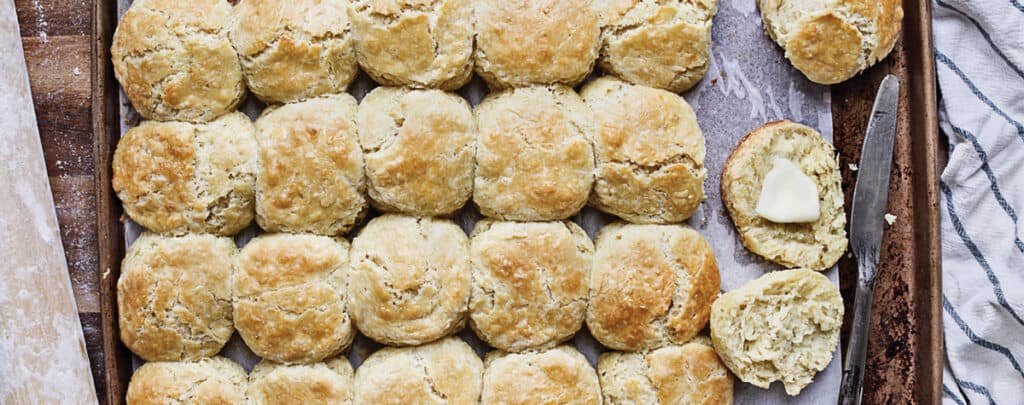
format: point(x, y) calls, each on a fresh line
point(905, 350)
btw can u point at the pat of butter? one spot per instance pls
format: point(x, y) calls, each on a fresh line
point(788, 195)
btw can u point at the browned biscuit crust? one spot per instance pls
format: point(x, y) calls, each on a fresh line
point(289, 295)
point(651, 285)
point(528, 42)
point(177, 177)
point(175, 62)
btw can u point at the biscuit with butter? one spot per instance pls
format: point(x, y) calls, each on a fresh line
point(814, 240)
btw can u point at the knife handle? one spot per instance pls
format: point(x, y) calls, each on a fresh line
point(856, 351)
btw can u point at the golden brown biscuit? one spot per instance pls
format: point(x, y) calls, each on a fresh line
point(651, 285)
point(410, 279)
point(419, 147)
point(175, 62)
point(310, 176)
point(289, 297)
point(663, 44)
point(174, 296)
point(216, 380)
point(557, 376)
point(417, 43)
point(447, 371)
point(783, 326)
point(529, 283)
point(687, 374)
point(815, 245)
point(649, 151)
point(534, 157)
point(292, 50)
point(524, 42)
point(831, 41)
point(176, 177)
point(327, 383)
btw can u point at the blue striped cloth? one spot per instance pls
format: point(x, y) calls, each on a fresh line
point(979, 55)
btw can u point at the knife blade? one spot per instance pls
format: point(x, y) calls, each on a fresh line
point(867, 218)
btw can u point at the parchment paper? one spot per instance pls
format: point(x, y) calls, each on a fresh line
point(749, 83)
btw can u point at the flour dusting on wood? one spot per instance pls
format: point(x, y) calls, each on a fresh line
point(42, 350)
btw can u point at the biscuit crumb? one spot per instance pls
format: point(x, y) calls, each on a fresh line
point(890, 219)
point(106, 273)
point(854, 167)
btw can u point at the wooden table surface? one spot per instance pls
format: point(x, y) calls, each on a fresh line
point(56, 36)
point(57, 41)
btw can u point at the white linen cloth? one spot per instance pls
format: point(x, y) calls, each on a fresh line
point(979, 56)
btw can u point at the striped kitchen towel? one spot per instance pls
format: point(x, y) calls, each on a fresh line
point(979, 56)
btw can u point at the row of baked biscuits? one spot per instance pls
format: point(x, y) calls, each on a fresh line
point(525, 154)
point(187, 61)
point(409, 281)
point(409, 284)
point(651, 288)
point(448, 371)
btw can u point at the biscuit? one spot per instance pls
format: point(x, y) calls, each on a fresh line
point(410, 280)
point(687, 374)
point(663, 44)
point(310, 176)
point(328, 383)
point(289, 297)
point(649, 152)
point(447, 371)
point(534, 157)
point(783, 326)
point(524, 42)
point(815, 245)
point(177, 177)
point(419, 147)
point(174, 296)
point(417, 43)
point(529, 283)
point(216, 380)
point(175, 62)
point(651, 286)
point(831, 41)
point(292, 50)
point(557, 376)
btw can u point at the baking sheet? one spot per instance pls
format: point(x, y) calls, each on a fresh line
point(749, 82)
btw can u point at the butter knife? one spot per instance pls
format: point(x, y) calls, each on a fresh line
point(867, 218)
